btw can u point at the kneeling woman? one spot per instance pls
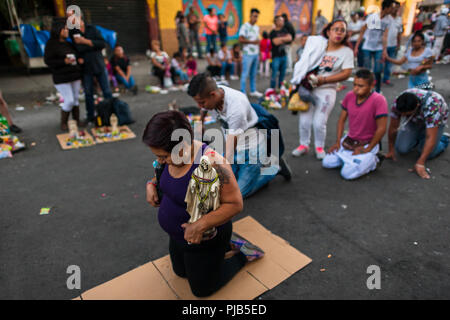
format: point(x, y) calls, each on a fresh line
point(201, 261)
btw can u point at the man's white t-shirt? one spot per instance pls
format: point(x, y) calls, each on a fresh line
point(222, 55)
point(250, 32)
point(238, 117)
point(355, 26)
point(375, 31)
point(395, 28)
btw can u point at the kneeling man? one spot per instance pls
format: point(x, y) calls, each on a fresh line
point(367, 114)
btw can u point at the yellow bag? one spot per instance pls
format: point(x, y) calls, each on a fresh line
point(296, 104)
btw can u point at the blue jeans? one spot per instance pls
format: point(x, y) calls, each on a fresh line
point(227, 66)
point(414, 136)
point(278, 67)
point(392, 52)
point(88, 82)
point(418, 80)
point(378, 65)
point(250, 64)
point(248, 176)
point(223, 39)
point(210, 42)
point(128, 84)
point(183, 76)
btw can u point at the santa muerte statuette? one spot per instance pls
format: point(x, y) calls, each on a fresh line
point(203, 194)
point(73, 129)
point(114, 124)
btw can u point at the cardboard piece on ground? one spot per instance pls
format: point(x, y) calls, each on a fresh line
point(123, 130)
point(62, 139)
point(156, 280)
point(142, 283)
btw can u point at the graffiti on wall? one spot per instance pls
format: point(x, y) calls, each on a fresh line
point(231, 9)
point(298, 11)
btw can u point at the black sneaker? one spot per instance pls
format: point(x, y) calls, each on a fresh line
point(381, 158)
point(285, 171)
point(15, 129)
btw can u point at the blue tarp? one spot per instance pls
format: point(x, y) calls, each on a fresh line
point(34, 41)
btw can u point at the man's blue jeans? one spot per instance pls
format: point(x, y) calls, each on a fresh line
point(378, 65)
point(278, 68)
point(414, 136)
point(249, 68)
point(88, 82)
point(227, 66)
point(392, 52)
point(128, 84)
point(250, 177)
point(210, 42)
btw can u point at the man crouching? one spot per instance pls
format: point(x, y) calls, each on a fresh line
point(367, 112)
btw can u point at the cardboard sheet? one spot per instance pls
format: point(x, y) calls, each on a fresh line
point(157, 281)
point(99, 136)
point(63, 139)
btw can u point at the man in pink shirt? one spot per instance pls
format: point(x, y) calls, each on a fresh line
point(211, 22)
point(367, 113)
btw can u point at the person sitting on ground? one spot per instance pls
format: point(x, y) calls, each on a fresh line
point(122, 69)
point(191, 66)
point(239, 120)
point(419, 59)
point(426, 114)
point(201, 261)
point(176, 64)
point(237, 59)
point(227, 63)
point(5, 112)
point(161, 63)
point(214, 65)
point(64, 62)
point(367, 114)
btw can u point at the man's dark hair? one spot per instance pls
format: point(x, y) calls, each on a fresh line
point(201, 84)
point(285, 17)
point(365, 74)
point(386, 4)
point(407, 102)
point(253, 10)
point(57, 25)
point(158, 132)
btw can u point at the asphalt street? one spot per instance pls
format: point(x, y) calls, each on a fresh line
point(101, 222)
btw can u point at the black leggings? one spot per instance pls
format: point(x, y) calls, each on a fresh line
point(204, 265)
point(161, 72)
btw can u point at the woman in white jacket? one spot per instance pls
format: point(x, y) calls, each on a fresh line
point(333, 61)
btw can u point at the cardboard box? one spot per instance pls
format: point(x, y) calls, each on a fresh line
point(157, 281)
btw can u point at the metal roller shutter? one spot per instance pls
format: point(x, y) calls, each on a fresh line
point(127, 17)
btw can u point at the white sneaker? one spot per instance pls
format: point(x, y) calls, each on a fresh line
point(234, 77)
point(320, 153)
point(256, 94)
point(222, 78)
point(300, 150)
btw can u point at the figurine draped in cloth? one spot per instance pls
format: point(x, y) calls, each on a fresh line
point(203, 194)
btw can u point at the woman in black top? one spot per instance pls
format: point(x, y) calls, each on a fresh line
point(61, 57)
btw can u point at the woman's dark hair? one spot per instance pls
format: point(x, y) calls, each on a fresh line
point(158, 132)
point(407, 102)
point(265, 35)
point(328, 28)
point(57, 25)
point(418, 34)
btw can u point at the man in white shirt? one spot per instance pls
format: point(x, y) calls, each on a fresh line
point(393, 41)
point(249, 37)
point(238, 120)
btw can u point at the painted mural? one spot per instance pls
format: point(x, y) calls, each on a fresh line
point(232, 9)
point(298, 11)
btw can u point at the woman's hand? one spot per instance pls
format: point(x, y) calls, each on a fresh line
point(193, 232)
point(152, 195)
point(335, 147)
point(80, 61)
point(421, 171)
point(68, 60)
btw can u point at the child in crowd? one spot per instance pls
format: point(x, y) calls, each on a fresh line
point(111, 77)
point(265, 47)
point(237, 59)
point(176, 63)
point(191, 66)
point(227, 63)
point(214, 65)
